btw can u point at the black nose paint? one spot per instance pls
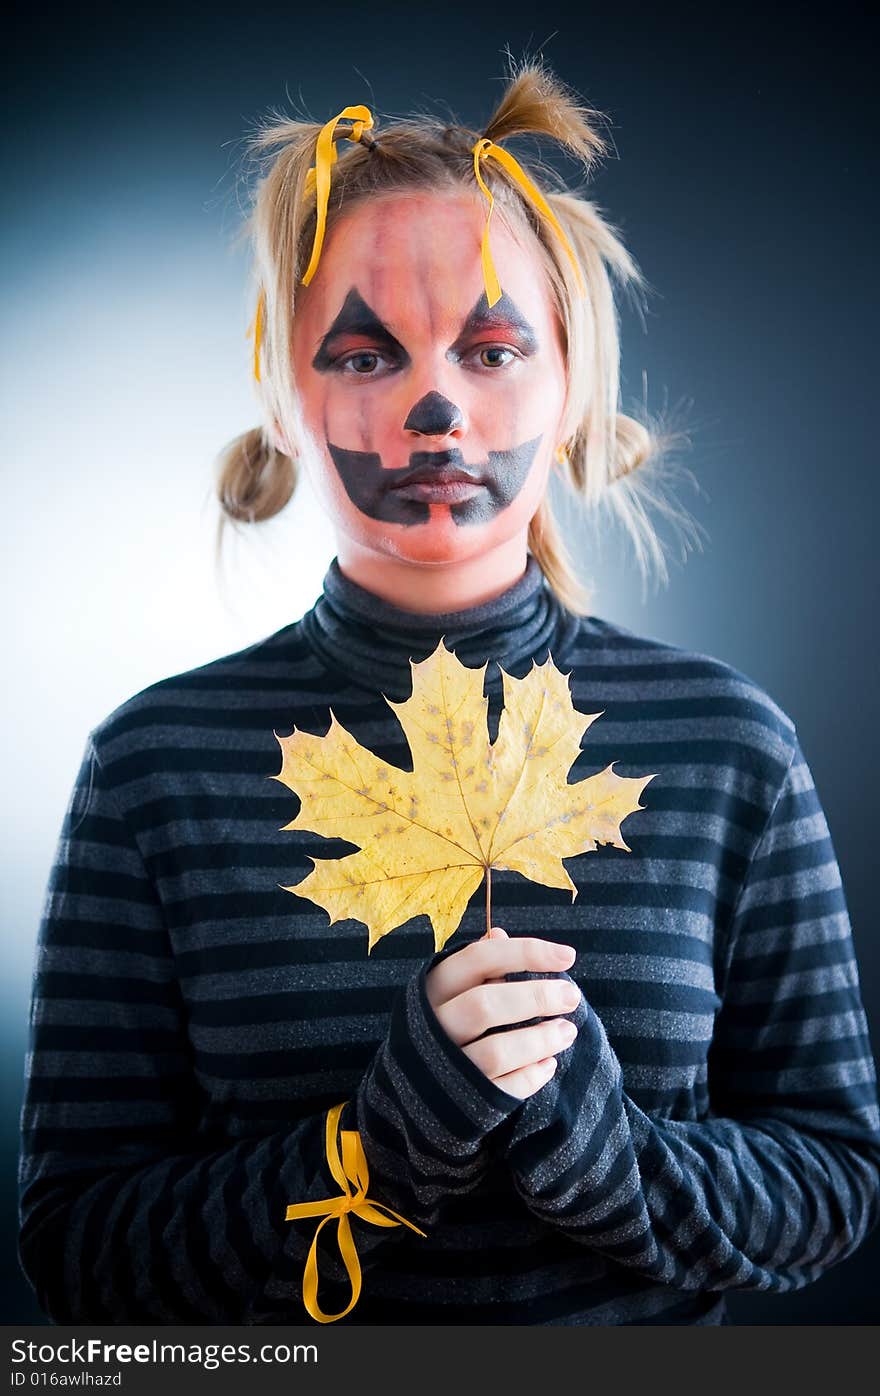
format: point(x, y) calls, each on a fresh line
point(433, 415)
point(375, 491)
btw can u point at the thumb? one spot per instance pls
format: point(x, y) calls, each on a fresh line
point(497, 933)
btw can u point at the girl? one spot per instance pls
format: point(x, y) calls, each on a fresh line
point(610, 1111)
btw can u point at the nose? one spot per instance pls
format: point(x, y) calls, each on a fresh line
point(434, 415)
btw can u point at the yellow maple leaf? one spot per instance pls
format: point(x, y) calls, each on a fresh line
point(429, 836)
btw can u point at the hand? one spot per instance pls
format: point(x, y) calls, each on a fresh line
point(469, 995)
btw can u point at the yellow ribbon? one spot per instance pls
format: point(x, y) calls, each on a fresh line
point(256, 329)
point(318, 182)
point(352, 1168)
point(483, 149)
point(318, 178)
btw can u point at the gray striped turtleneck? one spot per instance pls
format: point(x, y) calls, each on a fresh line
point(371, 641)
point(714, 1125)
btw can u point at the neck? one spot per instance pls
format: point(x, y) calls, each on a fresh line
point(428, 588)
point(370, 642)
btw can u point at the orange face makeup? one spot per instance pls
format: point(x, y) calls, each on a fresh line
point(435, 415)
point(472, 490)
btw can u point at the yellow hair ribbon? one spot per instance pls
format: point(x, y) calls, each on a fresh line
point(481, 151)
point(256, 329)
point(318, 178)
point(352, 1168)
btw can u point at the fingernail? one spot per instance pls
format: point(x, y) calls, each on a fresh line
point(565, 952)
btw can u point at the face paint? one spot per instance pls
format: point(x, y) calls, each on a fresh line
point(487, 320)
point(432, 415)
point(434, 477)
point(356, 318)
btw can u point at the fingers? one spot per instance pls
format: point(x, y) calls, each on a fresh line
point(506, 1053)
point(529, 1079)
point(469, 1015)
point(496, 933)
point(470, 994)
point(493, 958)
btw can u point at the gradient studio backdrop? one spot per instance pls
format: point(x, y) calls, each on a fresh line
point(742, 181)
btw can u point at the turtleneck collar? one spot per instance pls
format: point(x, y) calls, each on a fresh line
point(371, 641)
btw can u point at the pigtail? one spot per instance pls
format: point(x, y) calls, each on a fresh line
point(537, 103)
point(254, 481)
point(254, 478)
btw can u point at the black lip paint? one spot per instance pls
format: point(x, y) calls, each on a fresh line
point(371, 488)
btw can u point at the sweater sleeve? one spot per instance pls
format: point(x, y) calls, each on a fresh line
point(125, 1214)
point(781, 1180)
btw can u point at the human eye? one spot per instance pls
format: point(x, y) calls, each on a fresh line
point(495, 355)
point(363, 363)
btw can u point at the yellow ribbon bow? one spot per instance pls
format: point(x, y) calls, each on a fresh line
point(352, 1168)
point(317, 181)
point(481, 151)
point(318, 178)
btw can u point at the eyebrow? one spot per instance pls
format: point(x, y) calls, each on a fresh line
point(356, 318)
point(503, 315)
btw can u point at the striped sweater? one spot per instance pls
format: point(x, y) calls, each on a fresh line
point(714, 1125)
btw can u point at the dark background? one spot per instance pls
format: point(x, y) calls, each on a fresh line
point(744, 183)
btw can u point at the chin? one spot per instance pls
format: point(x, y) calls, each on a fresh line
point(433, 544)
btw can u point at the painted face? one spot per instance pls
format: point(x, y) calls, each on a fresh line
point(435, 416)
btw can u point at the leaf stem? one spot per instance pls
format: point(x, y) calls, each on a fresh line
point(488, 899)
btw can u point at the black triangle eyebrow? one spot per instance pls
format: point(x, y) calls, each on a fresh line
point(356, 317)
point(486, 319)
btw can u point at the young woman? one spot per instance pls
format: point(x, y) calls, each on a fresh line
point(606, 1111)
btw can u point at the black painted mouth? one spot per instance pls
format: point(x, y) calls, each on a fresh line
point(435, 467)
point(375, 490)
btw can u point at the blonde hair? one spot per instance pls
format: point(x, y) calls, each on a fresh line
point(602, 448)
